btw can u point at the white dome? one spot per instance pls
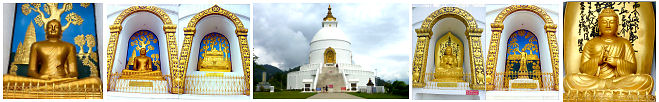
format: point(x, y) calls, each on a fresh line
point(330, 37)
point(327, 33)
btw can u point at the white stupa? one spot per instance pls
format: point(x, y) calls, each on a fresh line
point(330, 62)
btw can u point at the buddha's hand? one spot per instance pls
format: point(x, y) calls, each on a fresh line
point(613, 61)
point(602, 60)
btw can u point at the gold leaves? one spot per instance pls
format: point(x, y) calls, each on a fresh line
point(151, 47)
point(39, 20)
point(91, 41)
point(94, 56)
point(25, 8)
point(85, 5)
point(36, 5)
point(67, 6)
point(74, 18)
point(80, 41)
point(46, 7)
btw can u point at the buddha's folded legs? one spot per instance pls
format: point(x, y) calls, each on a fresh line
point(581, 81)
point(88, 82)
point(21, 79)
point(639, 82)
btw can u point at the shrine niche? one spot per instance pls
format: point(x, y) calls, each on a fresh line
point(475, 79)
point(508, 76)
point(142, 66)
point(222, 64)
point(330, 55)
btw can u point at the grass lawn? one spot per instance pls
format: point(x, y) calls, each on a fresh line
point(282, 95)
point(378, 95)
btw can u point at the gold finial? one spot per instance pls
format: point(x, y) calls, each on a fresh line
point(329, 16)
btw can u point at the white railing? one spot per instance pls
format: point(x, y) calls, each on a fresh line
point(546, 80)
point(215, 85)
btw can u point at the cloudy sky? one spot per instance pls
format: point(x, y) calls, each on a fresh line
point(379, 34)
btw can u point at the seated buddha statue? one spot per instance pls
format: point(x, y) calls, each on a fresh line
point(608, 62)
point(448, 69)
point(142, 68)
point(52, 65)
point(214, 60)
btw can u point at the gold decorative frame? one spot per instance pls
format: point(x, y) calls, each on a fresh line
point(472, 32)
point(497, 27)
point(330, 55)
point(168, 27)
point(190, 30)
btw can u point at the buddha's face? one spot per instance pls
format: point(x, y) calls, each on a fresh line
point(449, 51)
point(608, 25)
point(53, 29)
point(142, 51)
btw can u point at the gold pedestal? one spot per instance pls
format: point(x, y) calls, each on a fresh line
point(141, 75)
point(50, 89)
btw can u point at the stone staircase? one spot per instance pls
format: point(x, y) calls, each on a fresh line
point(330, 75)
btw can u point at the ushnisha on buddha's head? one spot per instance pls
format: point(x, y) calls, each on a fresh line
point(53, 30)
point(607, 22)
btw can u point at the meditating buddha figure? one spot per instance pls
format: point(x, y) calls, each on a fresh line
point(142, 68)
point(448, 69)
point(52, 64)
point(608, 62)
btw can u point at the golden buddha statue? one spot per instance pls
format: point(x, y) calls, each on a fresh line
point(214, 60)
point(52, 66)
point(523, 71)
point(608, 62)
point(142, 68)
point(448, 69)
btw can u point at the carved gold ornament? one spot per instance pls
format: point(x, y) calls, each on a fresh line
point(473, 34)
point(190, 31)
point(497, 27)
point(168, 28)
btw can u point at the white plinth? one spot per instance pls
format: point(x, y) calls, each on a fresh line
point(522, 95)
point(124, 95)
point(524, 81)
point(435, 94)
point(157, 86)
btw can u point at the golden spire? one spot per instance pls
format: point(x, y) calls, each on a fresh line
point(329, 16)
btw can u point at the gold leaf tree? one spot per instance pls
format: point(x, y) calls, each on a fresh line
point(80, 41)
point(91, 42)
point(54, 13)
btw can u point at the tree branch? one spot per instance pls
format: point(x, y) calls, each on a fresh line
point(66, 26)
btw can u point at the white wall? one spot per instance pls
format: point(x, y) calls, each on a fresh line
point(8, 27)
point(341, 47)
